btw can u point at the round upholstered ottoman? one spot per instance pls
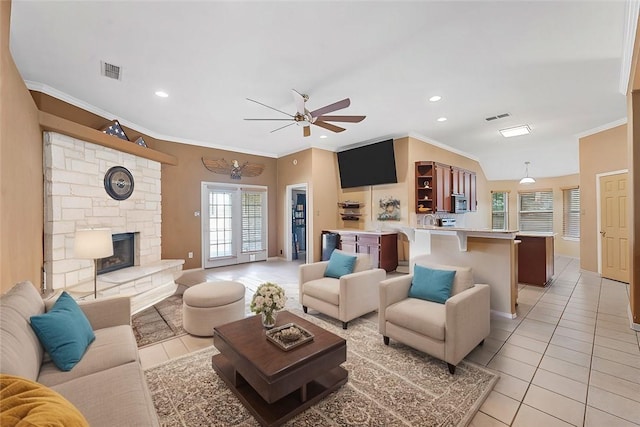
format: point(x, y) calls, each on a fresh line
point(211, 304)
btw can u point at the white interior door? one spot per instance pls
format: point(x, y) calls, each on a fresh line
point(234, 224)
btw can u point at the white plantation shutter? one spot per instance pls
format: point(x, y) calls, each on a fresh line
point(571, 213)
point(536, 211)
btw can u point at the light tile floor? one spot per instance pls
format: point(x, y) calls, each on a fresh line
point(569, 358)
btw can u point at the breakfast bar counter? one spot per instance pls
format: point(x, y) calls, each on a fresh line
point(490, 253)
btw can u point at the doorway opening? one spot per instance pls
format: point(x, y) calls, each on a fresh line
point(296, 234)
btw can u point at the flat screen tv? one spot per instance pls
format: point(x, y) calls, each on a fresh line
point(372, 164)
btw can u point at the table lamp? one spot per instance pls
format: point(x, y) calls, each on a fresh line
point(94, 243)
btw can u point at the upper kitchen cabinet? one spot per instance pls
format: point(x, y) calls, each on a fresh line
point(433, 187)
point(464, 182)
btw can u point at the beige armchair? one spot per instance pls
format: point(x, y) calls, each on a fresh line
point(447, 331)
point(346, 298)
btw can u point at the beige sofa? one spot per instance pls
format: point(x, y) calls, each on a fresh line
point(447, 331)
point(346, 298)
point(107, 386)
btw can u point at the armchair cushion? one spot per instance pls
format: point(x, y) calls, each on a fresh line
point(431, 285)
point(64, 332)
point(325, 289)
point(340, 264)
point(424, 317)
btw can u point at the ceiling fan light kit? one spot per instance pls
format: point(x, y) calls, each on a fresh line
point(306, 118)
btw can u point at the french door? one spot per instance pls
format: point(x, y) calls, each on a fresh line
point(234, 224)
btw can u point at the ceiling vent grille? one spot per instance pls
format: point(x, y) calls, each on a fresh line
point(498, 116)
point(111, 71)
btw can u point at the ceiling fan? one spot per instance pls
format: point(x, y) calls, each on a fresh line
point(306, 118)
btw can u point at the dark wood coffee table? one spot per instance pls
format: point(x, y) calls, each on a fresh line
point(275, 385)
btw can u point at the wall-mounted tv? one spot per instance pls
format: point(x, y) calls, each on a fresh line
point(372, 164)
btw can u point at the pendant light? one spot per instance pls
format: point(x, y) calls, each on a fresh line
point(527, 179)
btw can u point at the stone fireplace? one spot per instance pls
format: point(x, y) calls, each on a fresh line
point(75, 198)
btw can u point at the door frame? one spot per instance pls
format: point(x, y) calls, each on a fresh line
point(288, 209)
point(599, 216)
point(204, 207)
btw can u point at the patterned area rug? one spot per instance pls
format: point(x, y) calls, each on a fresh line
point(159, 322)
point(388, 386)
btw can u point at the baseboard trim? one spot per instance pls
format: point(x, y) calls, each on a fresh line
point(503, 314)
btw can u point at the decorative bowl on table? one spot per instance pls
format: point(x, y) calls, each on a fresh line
point(289, 336)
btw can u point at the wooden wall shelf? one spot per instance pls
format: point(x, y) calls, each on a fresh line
point(49, 122)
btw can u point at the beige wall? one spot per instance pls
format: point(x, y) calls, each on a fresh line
point(181, 194)
point(21, 189)
point(557, 184)
point(602, 152)
point(291, 174)
point(324, 196)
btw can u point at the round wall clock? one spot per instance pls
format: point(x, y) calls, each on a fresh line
point(118, 182)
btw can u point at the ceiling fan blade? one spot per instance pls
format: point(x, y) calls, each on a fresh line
point(287, 120)
point(299, 100)
point(285, 126)
point(328, 126)
point(352, 119)
point(265, 105)
point(331, 107)
point(306, 131)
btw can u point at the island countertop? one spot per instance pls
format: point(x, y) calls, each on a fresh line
point(356, 230)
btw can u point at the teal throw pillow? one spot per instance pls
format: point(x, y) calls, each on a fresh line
point(339, 265)
point(64, 331)
point(431, 285)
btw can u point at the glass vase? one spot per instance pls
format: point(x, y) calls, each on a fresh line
point(269, 318)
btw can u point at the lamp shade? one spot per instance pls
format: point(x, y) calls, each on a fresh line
point(93, 243)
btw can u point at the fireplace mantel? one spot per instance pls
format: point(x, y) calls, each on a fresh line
point(53, 123)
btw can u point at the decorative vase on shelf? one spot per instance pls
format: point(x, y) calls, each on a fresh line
point(269, 318)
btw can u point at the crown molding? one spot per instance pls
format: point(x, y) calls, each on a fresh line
point(602, 128)
point(630, 27)
point(442, 145)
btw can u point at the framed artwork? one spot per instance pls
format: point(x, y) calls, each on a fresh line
point(389, 209)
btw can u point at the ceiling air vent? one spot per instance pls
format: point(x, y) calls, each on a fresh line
point(110, 70)
point(498, 116)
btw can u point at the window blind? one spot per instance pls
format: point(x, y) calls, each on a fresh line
point(252, 221)
point(499, 210)
point(571, 213)
point(536, 211)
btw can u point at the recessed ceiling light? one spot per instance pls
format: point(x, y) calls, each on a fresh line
point(162, 94)
point(442, 119)
point(323, 136)
point(435, 98)
point(515, 131)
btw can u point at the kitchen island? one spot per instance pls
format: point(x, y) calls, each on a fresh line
point(490, 253)
point(535, 258)
point(382, 246)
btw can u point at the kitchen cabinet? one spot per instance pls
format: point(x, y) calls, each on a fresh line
point(535, 259)
point(382, 247)
point(432, 187)
point(464, 182)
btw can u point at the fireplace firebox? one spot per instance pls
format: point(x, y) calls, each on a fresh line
point(123, 254)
